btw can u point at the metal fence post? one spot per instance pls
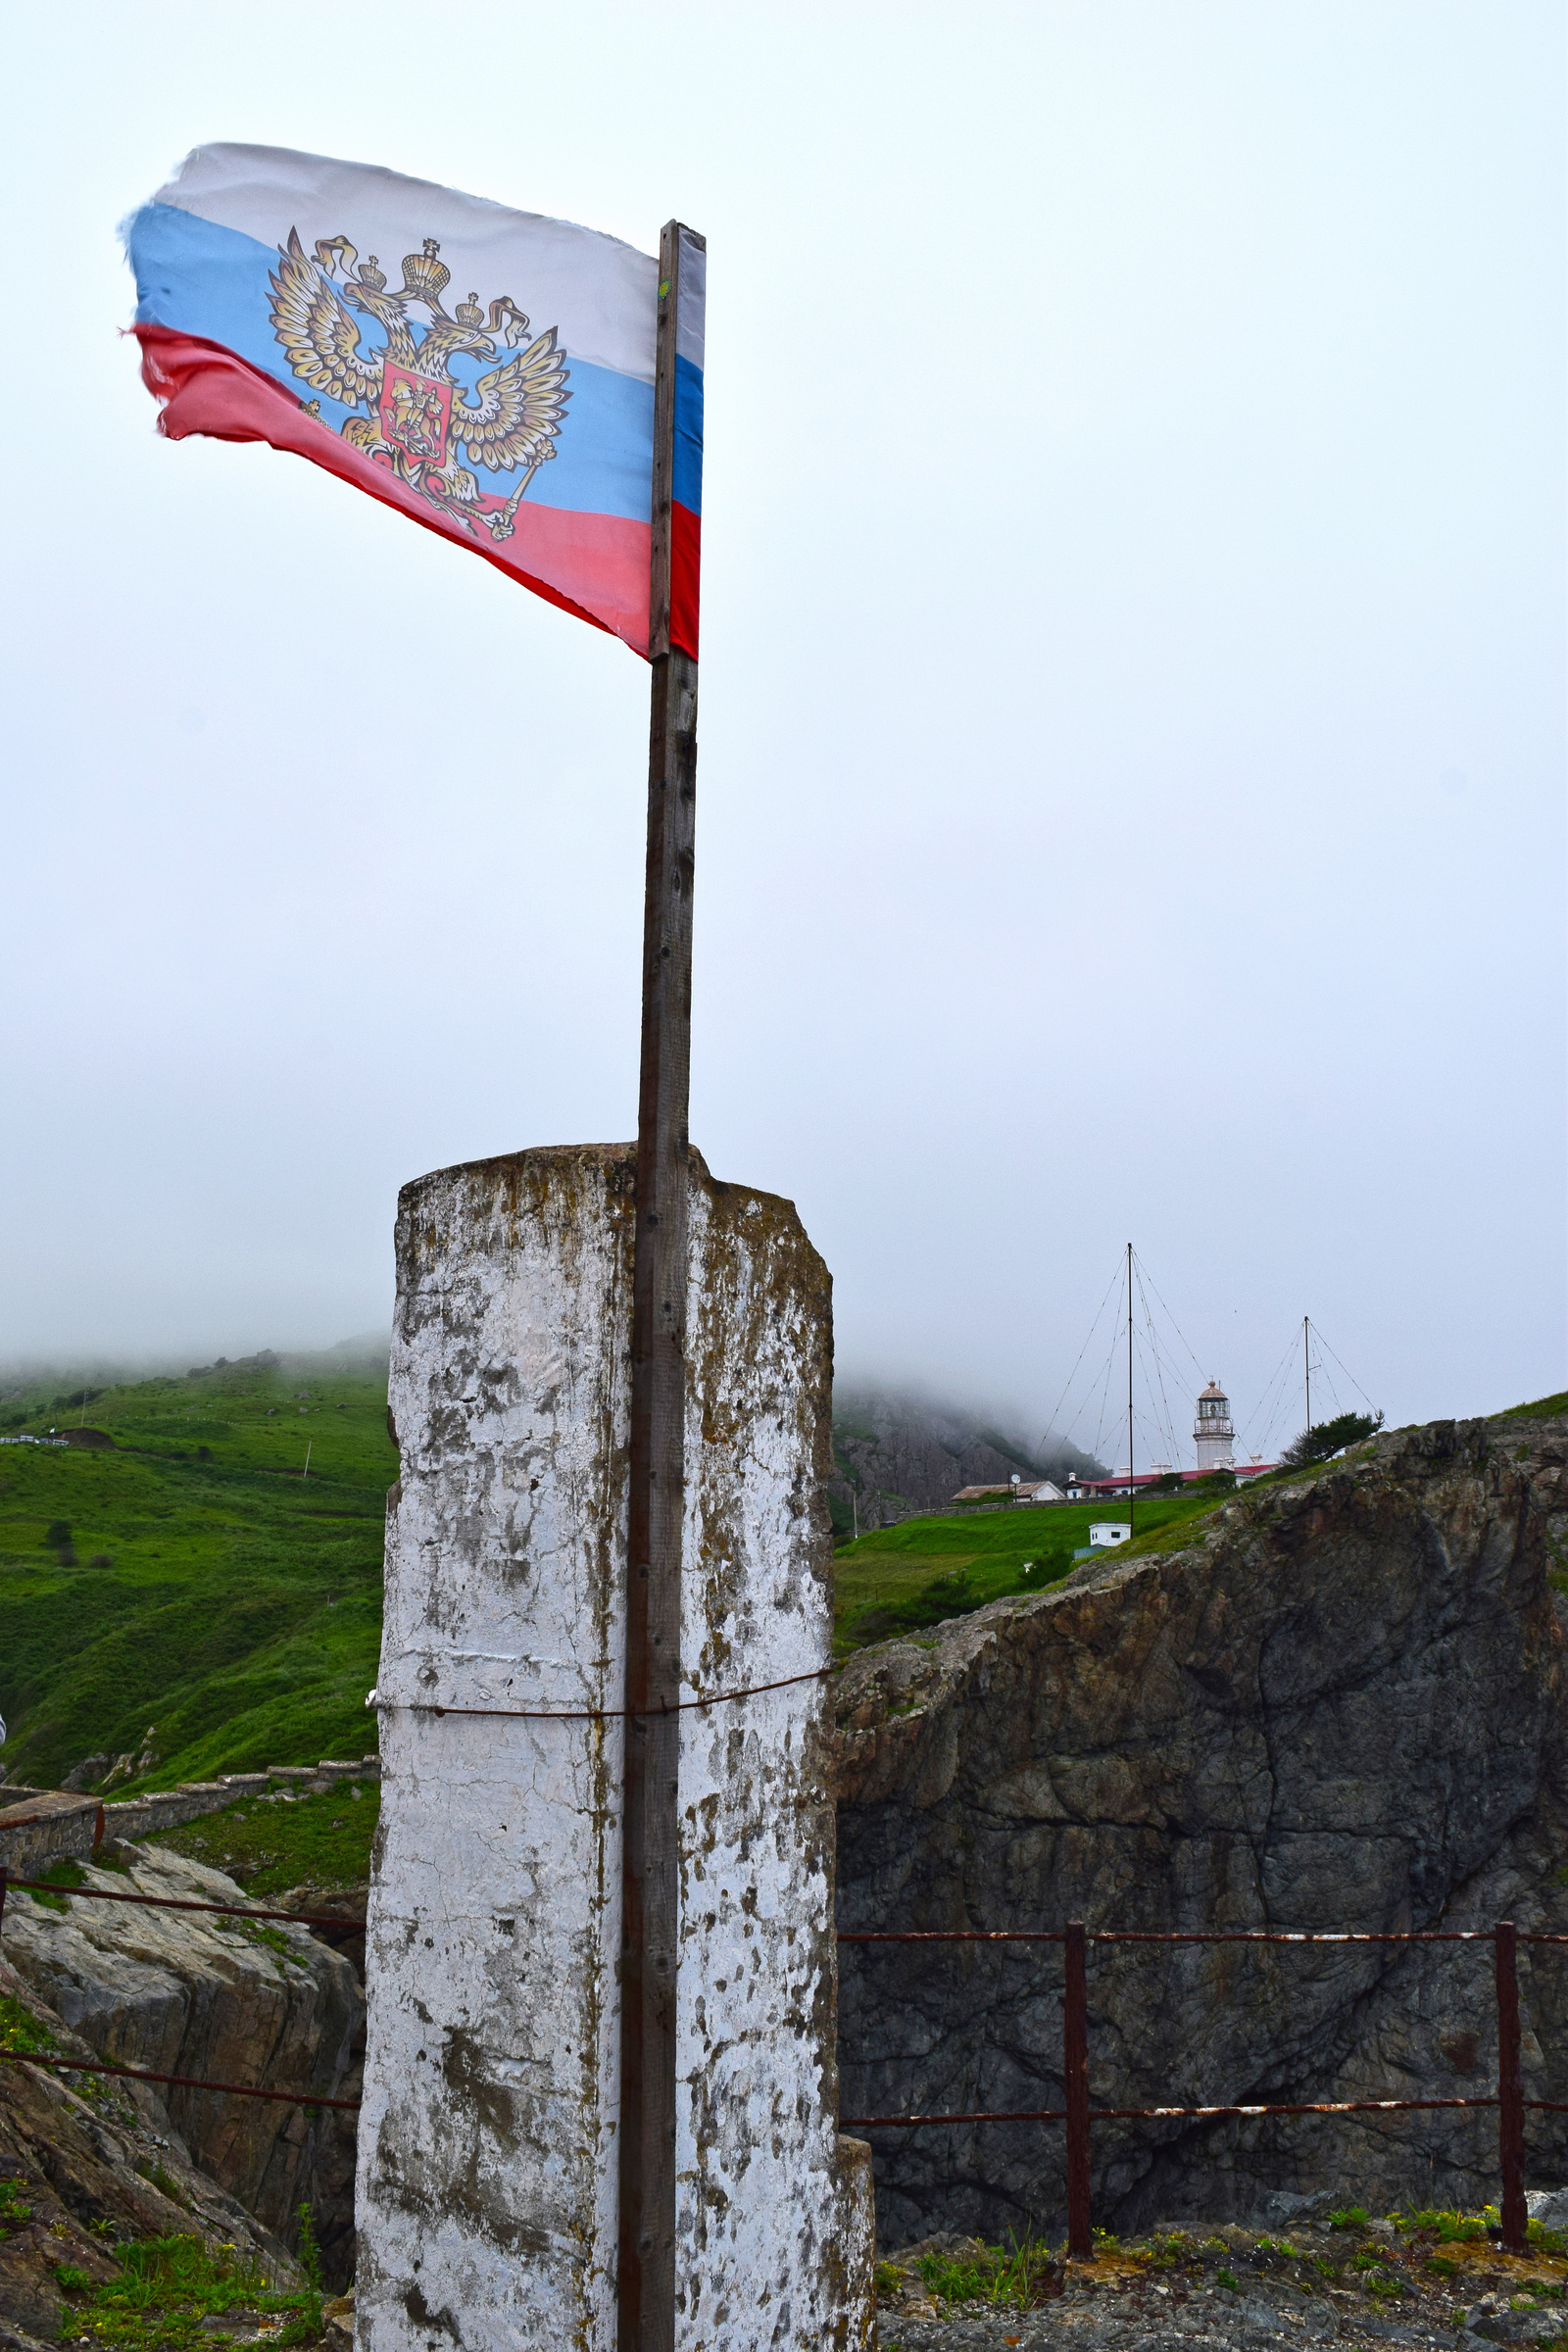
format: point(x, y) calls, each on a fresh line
point(1075, 2076)
point(1510, 2091)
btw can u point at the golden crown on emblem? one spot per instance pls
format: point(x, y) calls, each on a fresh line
point(370, 275)
point(468, 312)
point(424, 276)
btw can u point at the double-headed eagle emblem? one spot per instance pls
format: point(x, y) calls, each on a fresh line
point(411, 412)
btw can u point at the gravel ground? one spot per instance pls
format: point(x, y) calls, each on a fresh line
point(1370, 2287)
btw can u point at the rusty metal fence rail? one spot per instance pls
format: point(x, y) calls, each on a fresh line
point(1078, 2115)
point(165, 1903)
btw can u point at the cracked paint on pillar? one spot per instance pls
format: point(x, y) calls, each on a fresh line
point(487, 2185)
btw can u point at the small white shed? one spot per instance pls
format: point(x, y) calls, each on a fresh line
point(1109, 1531)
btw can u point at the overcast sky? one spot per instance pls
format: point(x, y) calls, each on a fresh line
point(1132, 731)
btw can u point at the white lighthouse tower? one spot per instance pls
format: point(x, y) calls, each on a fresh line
point(1215, 1433)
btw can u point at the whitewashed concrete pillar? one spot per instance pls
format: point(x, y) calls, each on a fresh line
point(487, 2181)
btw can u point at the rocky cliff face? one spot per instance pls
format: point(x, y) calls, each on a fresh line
point(1342, 1707)
point(224, 2000)
point(84, 2162)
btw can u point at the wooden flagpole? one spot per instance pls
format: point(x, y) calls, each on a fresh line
point(650, 1874)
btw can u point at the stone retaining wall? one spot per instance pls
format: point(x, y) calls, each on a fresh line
point(45, 1825)
point(41, 1826)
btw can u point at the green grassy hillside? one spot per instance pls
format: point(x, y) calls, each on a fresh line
point(216, 1609)
point(901, 1578)
point(213, 1608)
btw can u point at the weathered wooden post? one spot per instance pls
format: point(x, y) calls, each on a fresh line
point(490, 2163)
point(650, 1892)
point(1075, 2079)
point(1510, 2090)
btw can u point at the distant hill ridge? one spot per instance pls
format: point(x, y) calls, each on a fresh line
point(895, 1452)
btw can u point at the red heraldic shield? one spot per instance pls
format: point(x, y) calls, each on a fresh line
point(415, 411)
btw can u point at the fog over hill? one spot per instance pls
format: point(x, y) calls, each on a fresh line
point(894, 1446)
point(23, 1377)
point(892, 1449)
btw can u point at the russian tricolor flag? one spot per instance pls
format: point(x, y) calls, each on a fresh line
point(490, 374)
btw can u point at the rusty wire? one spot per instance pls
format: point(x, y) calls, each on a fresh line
point(136, 2074)
point(1027, 2115)
point(682, 1706)
point(1102, 2115)
point(1214, 1936)
point(963, 1935)
point(167, 1903)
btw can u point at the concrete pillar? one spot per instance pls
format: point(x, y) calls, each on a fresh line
point(487, 2182)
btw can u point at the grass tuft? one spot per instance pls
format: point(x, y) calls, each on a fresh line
point(15, 2211)
point(1452, 2229)
point(169, 2289)
point(64, 1874)
point(22, 2033)
point(164, 2289)
point(1019, 2275)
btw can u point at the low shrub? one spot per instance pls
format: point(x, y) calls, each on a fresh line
point(1021, 2275)
point(20, 2033)
point(1452, 2229)
point(1167, 2252)
point(163, 2180)
point(305, 2323)
point(164, 2289)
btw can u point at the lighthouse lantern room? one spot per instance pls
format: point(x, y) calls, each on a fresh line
point(1215, 1433)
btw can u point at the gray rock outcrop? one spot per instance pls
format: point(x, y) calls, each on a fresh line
point(86, 2161)
point(225, 2000)
point(1340, 1706)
